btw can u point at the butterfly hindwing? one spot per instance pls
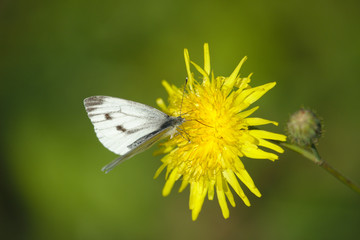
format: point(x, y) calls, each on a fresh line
point(138, 146)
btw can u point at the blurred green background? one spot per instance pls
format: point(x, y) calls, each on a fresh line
point(55, 53)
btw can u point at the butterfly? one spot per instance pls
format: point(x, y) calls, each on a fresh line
point(126, 127)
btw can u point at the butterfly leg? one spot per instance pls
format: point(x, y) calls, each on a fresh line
point(187, 138)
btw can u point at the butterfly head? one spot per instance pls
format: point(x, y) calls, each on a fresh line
point(179, 120)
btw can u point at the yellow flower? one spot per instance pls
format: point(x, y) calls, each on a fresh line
point(216, 134)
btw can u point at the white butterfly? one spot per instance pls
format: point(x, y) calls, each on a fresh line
point(126, 127)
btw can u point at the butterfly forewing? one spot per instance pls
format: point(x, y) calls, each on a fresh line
point(118, 123)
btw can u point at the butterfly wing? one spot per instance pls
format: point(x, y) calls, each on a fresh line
point(118, 122)
point(138, 146)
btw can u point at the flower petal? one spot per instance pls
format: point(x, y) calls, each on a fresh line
point(231, 80)
point(168, 88)
point(187, 64)
point(221, 196)
point(270, 145)
point(206, 78)
point(252, 151)
point(249, 96)
point(170, 182)
point(246, 113)
point(244, 176)
point(242, 83)
point(184, 184)
point(160, 169)
point(259, 121)
point(160, 102)
point(267, 135)
point(229, 195)
point(211, 190)
point(232, 180)
point(259, 92)
point(199, 193)
point(206, 59)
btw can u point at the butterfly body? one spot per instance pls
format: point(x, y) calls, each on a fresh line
point(126, 127)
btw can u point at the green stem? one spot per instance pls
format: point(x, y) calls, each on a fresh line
point(315, 158)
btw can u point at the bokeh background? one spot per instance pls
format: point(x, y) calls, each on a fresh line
point(55, 53)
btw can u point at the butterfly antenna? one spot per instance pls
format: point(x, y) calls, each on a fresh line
point(182, 99)
point(200, 123)
point(187, 138)
point(204, 124)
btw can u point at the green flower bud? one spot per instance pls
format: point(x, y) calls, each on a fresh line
point(304, 127)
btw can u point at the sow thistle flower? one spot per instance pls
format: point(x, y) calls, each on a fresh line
point(216, 134)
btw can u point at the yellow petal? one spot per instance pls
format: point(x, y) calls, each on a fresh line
point(221, 197)
point(244, 176)
point(251, 95)
point(267, 135)
point(160, 169)
point(168, 88)
point(259, 121)
point(183, 185)
point(206, 58)
point(234, 183)
point(163, 150)
point(228, 193)
point(200, 70)
point(211, 190)
point(242, 83)
point(270, 145)
point(246, 113)
point(187, 64)
point(170, 182)
point(199, 197)
point(160, 102)
point(231, 80)
point(259, 92)
point(252, 151)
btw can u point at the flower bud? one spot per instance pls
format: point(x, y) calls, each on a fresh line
point(304, 127)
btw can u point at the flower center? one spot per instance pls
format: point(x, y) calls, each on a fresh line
point(212, 129)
